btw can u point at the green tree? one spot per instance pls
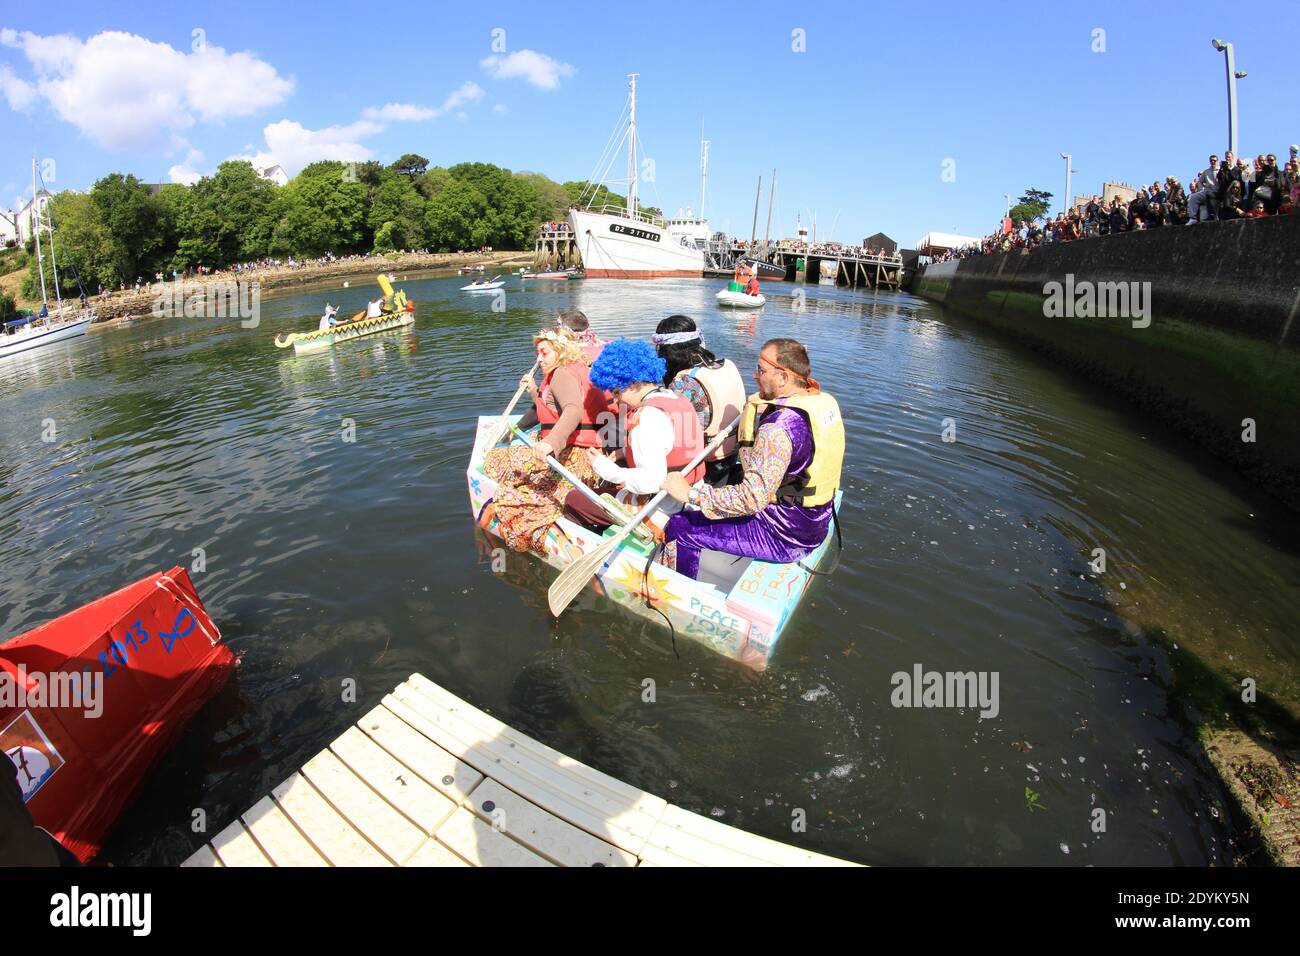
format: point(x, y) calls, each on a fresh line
point(1034, 204)
point(218, 226)
point(410, 165)
point(83, 246)
point(456, 217)
point(8, 308)
point(397, 204)
point(132, 216)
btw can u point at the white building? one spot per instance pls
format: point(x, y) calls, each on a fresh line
point(23, 218)
point(275, 174)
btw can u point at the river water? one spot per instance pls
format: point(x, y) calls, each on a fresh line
point(329, 559)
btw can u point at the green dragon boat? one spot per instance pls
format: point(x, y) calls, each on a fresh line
point(397, 313)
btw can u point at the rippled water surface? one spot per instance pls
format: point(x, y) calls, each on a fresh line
point(329, 559)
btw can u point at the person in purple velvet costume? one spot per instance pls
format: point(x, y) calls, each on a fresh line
point(749, 518)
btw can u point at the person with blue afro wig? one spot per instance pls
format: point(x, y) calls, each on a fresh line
point(663, 429)
point(624, 362)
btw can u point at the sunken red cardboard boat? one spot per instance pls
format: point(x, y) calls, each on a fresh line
point(159, 658)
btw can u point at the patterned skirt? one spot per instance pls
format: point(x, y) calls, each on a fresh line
point(530, 495)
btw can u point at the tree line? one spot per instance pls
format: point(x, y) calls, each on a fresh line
point(122, 230)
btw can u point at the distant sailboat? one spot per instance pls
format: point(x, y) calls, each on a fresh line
point(45, 328)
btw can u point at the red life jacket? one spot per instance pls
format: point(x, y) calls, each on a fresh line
point(594, 406)
point(688, 435)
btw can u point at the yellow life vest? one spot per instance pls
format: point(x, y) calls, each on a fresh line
point(818, 483)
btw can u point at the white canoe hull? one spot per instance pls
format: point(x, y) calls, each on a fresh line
point(489, 287)
point(616, 247)
point(33, 338)
point(738, 608)
point(740, 300)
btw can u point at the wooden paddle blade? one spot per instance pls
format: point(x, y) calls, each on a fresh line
point(573, 579)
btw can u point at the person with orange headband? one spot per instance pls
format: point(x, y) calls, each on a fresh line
point(791, 439)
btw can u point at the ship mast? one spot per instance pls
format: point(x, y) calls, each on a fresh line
point(704, 167)
point(631, 149)
point(36, 233)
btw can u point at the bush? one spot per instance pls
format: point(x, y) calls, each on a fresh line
point(8, 308)
point(12, 260)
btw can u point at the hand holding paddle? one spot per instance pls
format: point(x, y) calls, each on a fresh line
point(504, 425)
point(574, 578)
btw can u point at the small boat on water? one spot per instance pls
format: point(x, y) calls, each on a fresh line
point(31, 332)
point(740, 300)
point(397, 312)
point(156, 657)
point(483, 286)
point(738, 607)
point(48, 326)
point(766, 271)
point(735, 296)
point(554, 274)
point(470, 270)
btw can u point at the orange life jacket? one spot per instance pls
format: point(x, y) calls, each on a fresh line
point(688, 435)
point(595, 408)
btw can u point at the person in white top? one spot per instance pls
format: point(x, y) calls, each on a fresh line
point(663, 432)
point(372, 309)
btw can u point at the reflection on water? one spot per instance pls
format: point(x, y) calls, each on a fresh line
point(330, 559)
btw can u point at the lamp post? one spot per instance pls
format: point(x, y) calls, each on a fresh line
point(1233, 76)
point(1065, 204)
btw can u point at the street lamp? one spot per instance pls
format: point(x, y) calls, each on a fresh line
point(1233, 76)
point(1065, 204)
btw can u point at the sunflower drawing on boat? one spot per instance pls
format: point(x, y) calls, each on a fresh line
point(633, 581)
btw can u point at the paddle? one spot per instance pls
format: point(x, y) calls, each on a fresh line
point(504, 426)
point(574, 578)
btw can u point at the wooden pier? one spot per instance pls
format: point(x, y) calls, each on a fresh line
point(554, 248)
point(871, 271)
point(426, 779)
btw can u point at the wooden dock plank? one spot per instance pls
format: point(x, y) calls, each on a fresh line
point(327, 830)
point(278, 837)
point(235, 847)
point(607, 808)
point(477, 842)
point(368, 812)
point(203, 856)
point(422, 779)
point(425, 806)
point(443, 770)
point(433, 853)
point(543, 832)
point(544, 782)
point(693, 837)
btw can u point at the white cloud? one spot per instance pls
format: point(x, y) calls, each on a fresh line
point(124, 91)
point(467, 92)
point(536, 68)
point(499, 108)
point(294, 146)
point(17, 91)
point(185, 173)
point(399, 112)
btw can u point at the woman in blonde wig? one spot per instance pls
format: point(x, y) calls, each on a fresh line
point(571, 413)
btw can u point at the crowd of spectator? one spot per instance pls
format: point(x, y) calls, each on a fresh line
point(1233, 189)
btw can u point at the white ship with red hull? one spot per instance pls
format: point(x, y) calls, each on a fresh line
point(618, 242)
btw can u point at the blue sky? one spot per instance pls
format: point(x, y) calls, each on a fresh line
point(859, 124)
